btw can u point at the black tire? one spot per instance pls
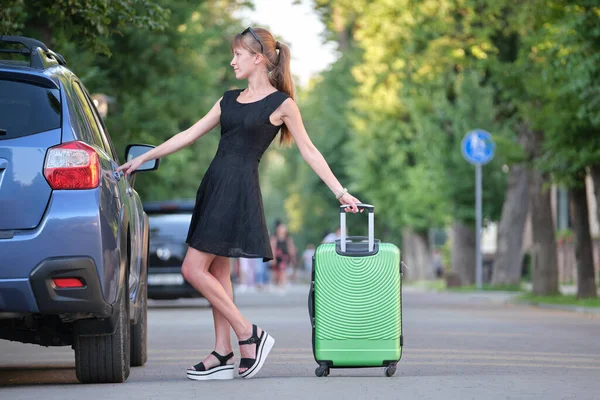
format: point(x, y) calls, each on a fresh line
point(105, 358)
point(139, 332)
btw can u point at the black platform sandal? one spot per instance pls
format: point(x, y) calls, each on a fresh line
point(222, 371)
point(264, 344)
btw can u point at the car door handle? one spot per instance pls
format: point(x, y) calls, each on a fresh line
point(118, 175)
point(3, 163)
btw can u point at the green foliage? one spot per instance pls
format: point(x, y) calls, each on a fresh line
point(553, 81)
point(415, 101)
point(433, 70)
point(471, 107)
point(488, 288)
point(566, 300)
point(12, 15)
point(86, 22)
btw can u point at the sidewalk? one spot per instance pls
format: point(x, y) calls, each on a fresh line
point(492, 296)
point(505, 297)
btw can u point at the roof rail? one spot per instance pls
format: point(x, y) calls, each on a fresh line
point(40, 57)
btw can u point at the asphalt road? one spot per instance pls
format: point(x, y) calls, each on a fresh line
point(457, 346)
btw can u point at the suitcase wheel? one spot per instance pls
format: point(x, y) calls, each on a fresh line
point(390, 370)
point(322, 370)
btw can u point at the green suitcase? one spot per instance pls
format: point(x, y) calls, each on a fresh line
point(355, 302)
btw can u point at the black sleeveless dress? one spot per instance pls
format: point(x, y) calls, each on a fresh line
point(228, 218)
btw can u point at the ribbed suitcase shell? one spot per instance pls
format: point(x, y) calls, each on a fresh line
point(357, 307)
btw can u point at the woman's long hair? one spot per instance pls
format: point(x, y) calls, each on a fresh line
point(278, 65)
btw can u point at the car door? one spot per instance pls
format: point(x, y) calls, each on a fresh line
point(112, 193)
point(128, 201)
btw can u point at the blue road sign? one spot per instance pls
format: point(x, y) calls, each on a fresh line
point(478, 147)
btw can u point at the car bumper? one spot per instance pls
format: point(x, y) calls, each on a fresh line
point(68, 240)
point(39, 294)
point(168, 283)
point(54, 300)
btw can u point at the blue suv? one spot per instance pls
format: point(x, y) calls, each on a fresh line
point(73, 233)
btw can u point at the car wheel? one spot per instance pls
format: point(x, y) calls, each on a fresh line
point(139, 332)
point(105, 358)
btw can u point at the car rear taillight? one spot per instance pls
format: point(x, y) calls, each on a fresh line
point(72, 165)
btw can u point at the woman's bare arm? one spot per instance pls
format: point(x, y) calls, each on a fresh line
point(290, 115)
point(178, 141)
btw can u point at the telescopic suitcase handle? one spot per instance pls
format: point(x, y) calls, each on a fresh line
point(371, 210)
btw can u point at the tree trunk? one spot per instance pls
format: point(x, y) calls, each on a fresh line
point(543, 254)
point(509, 257)
point(595, 174)
point(416, 256)
point(544, 263)
point(44, 32)
point(586, 283)
point(463, 252)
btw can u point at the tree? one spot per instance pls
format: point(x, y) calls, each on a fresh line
point(414, 55)
point(559, 60)
point(86, 22)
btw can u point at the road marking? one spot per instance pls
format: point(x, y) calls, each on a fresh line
point(405, 351)
point(451, 363)
point(451, 358)
point(485, 334)
point(486, 351)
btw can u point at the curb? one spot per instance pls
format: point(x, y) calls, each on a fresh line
point(576, 309)
point(502, 297)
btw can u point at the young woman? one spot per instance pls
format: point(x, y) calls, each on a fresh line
point(228, 219)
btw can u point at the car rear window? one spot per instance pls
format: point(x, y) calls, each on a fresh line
point(26, 108)
point(172, 227)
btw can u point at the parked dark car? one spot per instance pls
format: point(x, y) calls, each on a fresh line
point(169, 224)
point(73, 233)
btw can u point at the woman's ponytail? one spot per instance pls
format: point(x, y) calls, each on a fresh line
point(281, 78)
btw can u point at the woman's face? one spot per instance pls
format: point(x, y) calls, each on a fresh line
point(281, 230)
point(243, 63)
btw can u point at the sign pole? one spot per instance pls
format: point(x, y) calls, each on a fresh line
point(477, 148)
point(478, 267)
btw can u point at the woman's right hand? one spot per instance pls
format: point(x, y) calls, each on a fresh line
point(130, 166)
point(347, 198)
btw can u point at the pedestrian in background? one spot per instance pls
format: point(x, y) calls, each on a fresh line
point(228, 218)
point(332, 236)
point(307, 258)
point(262, 274)
point(247, 275)
point(285, 255)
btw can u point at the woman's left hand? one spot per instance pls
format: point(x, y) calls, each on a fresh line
point(347, 198)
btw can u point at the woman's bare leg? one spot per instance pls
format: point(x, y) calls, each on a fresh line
point(220, 269)
point(195, 270)
point(281, 277)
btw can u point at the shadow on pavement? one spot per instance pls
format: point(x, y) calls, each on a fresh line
point(43, 374)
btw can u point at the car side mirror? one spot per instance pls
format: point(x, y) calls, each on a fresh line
point(134, 150)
